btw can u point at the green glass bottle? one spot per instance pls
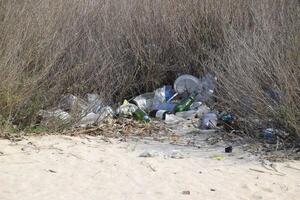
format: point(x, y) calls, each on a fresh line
point(185, 104)
point(160, 114)
point(141, 115)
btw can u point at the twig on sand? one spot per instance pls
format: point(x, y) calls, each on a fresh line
point(86, 131)
point(98, 172)
point(271, 167)
point(106, 139)
point(148, 166)
point(52, 171)
point(261, 171)
point(257, 170)
point(76, 156)
point(291, 167)
point(20, 163)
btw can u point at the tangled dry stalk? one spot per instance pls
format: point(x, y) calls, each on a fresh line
point(122, 48)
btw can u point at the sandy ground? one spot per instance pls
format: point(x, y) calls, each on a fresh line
point(61, 167)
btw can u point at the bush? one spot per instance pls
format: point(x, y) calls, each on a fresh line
point(122, 48)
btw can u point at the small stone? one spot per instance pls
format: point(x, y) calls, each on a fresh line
point(176, 154)
point(148, 154)
point(213, 190)
point(186, 192)
point(228, 149)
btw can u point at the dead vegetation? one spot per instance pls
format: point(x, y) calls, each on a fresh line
point(122, 48)
point(121, 127)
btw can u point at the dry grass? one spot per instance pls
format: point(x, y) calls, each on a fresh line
point(121, 48)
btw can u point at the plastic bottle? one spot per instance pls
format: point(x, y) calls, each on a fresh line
point(160, 114)
point(209, 120)
point(141, 115)
point(185, 104)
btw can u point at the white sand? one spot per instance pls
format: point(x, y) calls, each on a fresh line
point(59, 167)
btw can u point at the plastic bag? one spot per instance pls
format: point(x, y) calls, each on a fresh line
point(162, 95)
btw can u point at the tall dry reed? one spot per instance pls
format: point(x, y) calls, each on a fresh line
point(122, 48)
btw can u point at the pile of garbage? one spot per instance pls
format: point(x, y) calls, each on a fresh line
point(185, 100)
